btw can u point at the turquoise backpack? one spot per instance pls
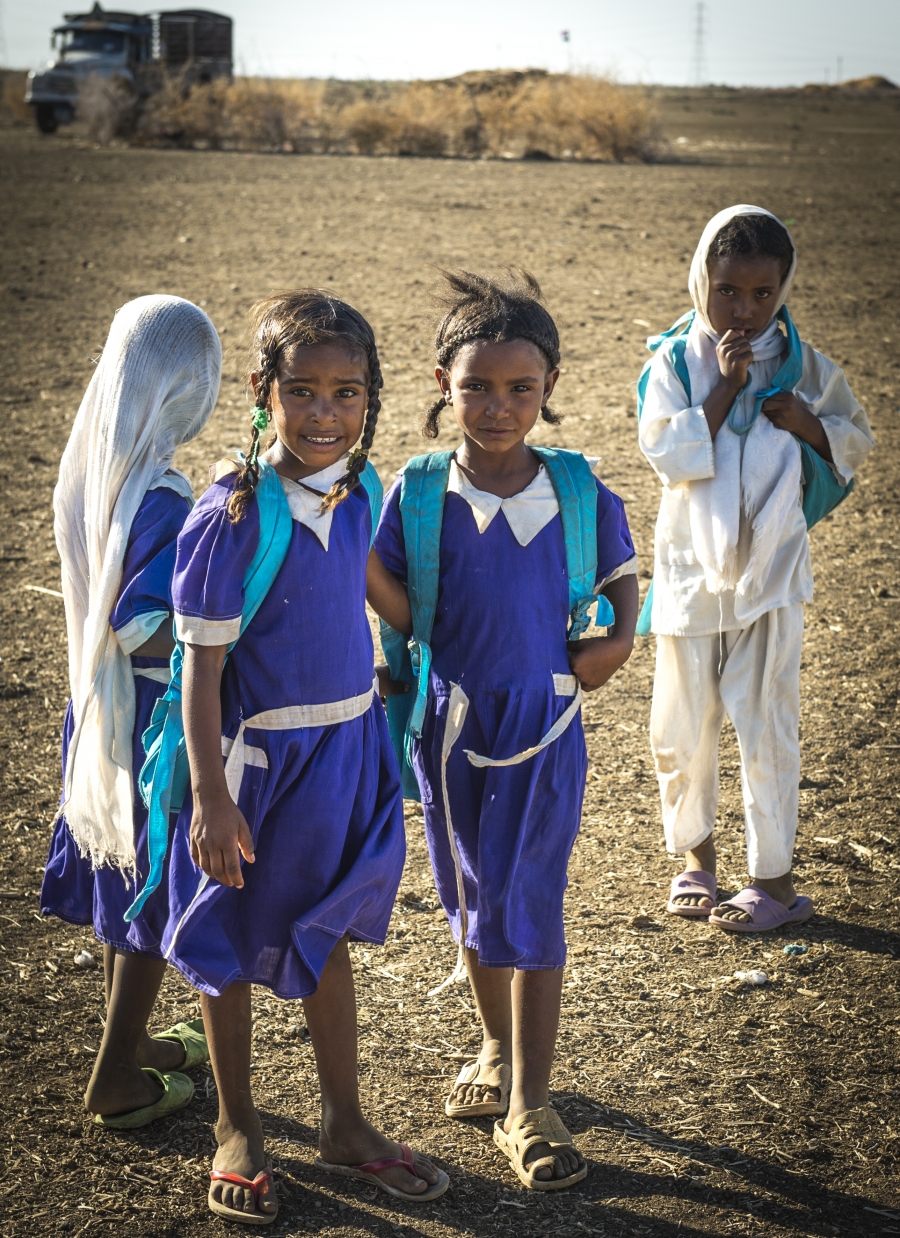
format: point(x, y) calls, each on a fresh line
point(422, 492)
point(165, 775)
point(822, 491)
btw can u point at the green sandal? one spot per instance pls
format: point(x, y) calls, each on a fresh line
point(178, 1090)
point(192, 1039)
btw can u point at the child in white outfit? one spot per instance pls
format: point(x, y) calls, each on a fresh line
point(732, 564)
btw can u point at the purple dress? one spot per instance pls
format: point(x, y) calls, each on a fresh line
point(323, 803)
point(500, 633)
point(72, 889)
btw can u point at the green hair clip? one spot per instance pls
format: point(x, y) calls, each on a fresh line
point(359, 453)
point(260, 419)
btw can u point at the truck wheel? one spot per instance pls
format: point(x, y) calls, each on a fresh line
point(45, 114)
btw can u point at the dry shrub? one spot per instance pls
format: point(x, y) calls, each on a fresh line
point(13, 105)
point(512, 114)
point(106, 105)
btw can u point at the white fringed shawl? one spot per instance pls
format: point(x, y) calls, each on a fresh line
point(154, 388)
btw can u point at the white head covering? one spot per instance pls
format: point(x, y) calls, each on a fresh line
point(698, 280)
point(154, 388)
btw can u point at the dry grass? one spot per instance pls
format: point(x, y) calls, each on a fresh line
point(500, 115)
point(12, 96)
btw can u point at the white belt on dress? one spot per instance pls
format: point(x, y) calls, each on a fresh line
point(457, 708)
point(160, 674)
point(290, 718)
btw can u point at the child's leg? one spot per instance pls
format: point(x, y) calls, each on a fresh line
point(685, 722)
point(118, 1084)
point(493, 1001)
point(761, 690)
point(229, 1028)
point(346, 1138)
point(536, 997)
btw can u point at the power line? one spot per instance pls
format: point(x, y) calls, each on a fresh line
point(700, 72)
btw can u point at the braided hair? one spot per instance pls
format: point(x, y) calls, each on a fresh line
point(281, 323)
point(479, 308)
point(753, 236)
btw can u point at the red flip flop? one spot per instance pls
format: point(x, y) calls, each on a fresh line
point(235, 1214)
point(369, 1171)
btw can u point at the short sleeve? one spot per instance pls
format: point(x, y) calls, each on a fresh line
point(145, 595)
point(389, 542)
point(211, 562)
point(615, 549)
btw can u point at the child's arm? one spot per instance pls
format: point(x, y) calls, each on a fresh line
point(596, 660)
point(219, 833)
point(387, 596)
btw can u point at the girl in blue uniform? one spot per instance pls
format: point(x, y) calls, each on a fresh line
point(499, 640)
point(119, 508)
point(295, 843)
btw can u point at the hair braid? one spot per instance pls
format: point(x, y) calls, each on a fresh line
point(248, 478)
point(480, 308)
point(360, 455)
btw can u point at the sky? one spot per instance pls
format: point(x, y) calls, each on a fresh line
point(768, 43)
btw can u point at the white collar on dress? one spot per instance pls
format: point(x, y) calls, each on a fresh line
point(304, 498)
point(526, 512)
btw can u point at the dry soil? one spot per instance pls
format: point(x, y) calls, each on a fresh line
point(705, 1107)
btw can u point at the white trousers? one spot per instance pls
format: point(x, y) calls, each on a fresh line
point(753, 676)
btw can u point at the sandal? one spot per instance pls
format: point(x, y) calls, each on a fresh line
point(766, 911)
point(498, 1077)
point(178, 1091)
point(192, 1039)
point(537, 1126)
point(369, 1171)
point(696, 882)
point(236, 1214)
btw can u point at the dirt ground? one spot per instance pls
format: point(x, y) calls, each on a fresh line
point(705, 1107)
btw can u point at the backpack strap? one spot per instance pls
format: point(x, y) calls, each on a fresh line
point(422, 492)
point(165, 774)
point(576, 493)
point(371, 483)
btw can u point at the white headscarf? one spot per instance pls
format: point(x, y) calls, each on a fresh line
point(154, 388)
point(763, 481)
point(698, 279)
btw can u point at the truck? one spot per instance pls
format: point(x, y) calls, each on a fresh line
point(136, 49)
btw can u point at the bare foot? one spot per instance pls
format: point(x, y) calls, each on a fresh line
point(566, 1161)
point(492, 1054)
point(361, 1143)
point(160, 1054)
point(119, 1086)
point(242, 1152)
point(702, 858)
point(779, 888)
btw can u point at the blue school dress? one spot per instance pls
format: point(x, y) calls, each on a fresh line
point(72, 889)
point(500, 633)
point(323, 802)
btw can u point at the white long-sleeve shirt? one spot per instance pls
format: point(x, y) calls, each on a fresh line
point(677, 442)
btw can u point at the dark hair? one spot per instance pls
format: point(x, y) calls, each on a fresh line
point(479, 308)
point(753, 236)
point(289, 320)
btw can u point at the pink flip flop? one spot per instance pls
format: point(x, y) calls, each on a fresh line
point(369, 1172)
point(766, 911)
point(696, 882)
